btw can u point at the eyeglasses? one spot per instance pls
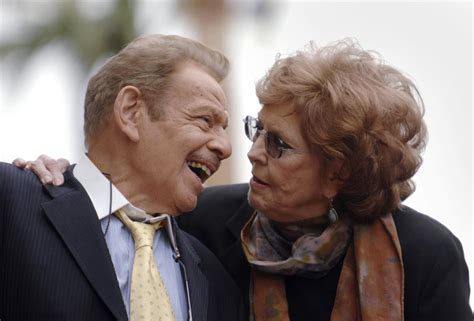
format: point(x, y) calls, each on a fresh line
point(274, 145)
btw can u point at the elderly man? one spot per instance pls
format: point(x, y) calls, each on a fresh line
point(103, 246)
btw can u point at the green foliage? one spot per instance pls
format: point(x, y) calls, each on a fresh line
point(88, 38)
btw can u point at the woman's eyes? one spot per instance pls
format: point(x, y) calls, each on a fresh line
point(276, 141)
point(281, 144)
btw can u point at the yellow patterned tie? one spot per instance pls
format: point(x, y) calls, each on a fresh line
point(149, 299)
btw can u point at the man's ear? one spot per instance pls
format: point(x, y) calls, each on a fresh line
point(335, 174)
point(127, 110)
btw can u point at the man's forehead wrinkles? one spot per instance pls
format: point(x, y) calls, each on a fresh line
point(213, 109)
point(220, 114)
point(212, 93)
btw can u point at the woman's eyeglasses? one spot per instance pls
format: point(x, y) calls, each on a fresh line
point(274, 145)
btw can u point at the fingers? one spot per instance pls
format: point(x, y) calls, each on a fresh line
point(39, 168)
point(48, 170)
point(19, 162)
point(63, 164)
point(57, 168)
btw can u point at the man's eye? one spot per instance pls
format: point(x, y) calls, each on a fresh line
point(207, 119)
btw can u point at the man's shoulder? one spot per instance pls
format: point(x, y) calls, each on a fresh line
point(14, 180)
point(20, 183)
point(12, 172)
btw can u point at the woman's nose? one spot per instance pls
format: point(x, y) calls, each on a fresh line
point(257, 152)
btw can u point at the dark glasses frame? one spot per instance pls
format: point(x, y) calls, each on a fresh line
point(274, 145)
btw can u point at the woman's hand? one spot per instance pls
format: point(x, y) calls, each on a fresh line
point(48, 170)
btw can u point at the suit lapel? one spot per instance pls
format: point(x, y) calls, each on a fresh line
point(74, 218)
point(198, 282)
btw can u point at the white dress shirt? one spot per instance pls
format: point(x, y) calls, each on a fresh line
point(106, 199)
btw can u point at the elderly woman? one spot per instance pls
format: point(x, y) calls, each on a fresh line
point(320, 232)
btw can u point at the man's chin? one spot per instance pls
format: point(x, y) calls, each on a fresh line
point(187, 205)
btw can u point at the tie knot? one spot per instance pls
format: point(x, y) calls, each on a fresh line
point(142, 233)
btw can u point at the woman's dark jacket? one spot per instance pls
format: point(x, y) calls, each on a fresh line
point(436, 274)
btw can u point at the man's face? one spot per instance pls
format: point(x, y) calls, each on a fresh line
point(181, 150)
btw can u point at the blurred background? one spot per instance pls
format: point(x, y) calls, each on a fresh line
point(49, 49)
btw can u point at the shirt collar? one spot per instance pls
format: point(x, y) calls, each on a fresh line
point(98, 188)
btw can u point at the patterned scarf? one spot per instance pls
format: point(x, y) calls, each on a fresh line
point(371, 282)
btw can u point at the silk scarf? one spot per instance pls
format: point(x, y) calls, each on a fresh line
point(370, 286)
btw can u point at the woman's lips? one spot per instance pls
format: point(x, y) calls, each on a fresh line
point(255, 182)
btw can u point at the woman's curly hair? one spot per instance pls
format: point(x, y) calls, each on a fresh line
point(354, 108)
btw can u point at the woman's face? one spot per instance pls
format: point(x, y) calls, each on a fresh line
point(292, 187)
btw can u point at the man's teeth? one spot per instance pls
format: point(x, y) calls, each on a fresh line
point(201, 166)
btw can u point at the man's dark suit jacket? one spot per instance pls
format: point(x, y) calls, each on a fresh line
point(436, 275)
point(54, 262)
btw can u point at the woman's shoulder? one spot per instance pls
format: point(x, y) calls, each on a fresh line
point(223, 199)
point(216, 205)
point(225, 193)
point(415, 226)
point(436, 273)
point(422, 238)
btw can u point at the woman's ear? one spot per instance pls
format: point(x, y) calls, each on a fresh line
point(335, 175)
point(127, 110)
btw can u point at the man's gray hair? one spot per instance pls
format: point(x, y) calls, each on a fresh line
point(146, 63)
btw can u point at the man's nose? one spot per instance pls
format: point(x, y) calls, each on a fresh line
point(221, 145)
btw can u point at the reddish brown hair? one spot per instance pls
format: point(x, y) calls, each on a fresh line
point(357, 109)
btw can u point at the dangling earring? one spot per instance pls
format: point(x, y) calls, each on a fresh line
point(332, 213)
